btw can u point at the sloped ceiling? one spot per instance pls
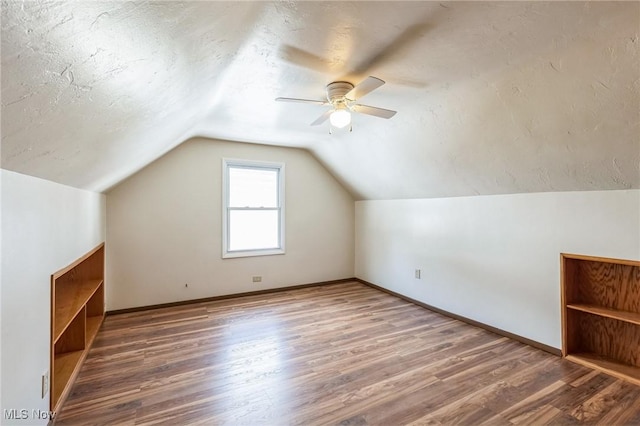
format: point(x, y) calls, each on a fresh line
point(492, 97)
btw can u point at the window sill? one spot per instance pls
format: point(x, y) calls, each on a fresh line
point(252, 253)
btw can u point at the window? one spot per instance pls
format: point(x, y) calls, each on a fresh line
point(253, 208)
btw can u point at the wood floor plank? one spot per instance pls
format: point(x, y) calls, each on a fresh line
point(337, 354)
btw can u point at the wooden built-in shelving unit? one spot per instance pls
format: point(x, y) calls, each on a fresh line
point(77, 311)
point(601, 314)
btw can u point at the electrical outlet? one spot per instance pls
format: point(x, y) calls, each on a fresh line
point(257, 279)
point(418, 273)
point(45, 384)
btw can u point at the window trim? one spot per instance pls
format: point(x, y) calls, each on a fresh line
point(251, 164)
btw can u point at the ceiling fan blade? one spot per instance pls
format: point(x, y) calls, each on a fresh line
point(375, 111)
point(404, 40)
point(367, 85)
point(304, 101)
point(322, 118)
point(303, 58)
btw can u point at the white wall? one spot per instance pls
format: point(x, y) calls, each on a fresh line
point(165, 226)
point(45, 226)
point(493, 259)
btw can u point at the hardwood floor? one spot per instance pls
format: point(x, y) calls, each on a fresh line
point(341, 354)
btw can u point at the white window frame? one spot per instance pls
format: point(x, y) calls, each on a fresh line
point(251, 164)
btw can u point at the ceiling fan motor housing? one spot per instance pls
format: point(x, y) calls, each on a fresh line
point(337, 90)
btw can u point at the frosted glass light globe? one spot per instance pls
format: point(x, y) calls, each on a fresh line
point(340, 118)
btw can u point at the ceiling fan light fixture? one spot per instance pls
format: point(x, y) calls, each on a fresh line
point(341, 98)
point(340, 118)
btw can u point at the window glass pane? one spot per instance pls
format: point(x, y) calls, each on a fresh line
point(253, 229)
point(253, 187)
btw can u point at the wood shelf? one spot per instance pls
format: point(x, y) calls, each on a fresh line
point(65, 366)
point(77, 312)
point(632, 317)
point(609, 366)
point(70, 299)
point(601, 314)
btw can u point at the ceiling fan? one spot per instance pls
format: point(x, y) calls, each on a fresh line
point(341, 98)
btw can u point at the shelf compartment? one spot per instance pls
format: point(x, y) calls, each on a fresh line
point(631, 317)
point(93, 326)
point(607, 337)
point(70, 298)
point(609, 366)
point(64, 367)
point(74, 336)
point(95, 305)
point(608, 283)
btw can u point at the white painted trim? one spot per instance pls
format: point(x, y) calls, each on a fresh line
point(253, 164)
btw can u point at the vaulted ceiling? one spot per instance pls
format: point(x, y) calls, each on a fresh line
point(492, 97)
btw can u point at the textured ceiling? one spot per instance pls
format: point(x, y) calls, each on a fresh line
point(492, 97)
